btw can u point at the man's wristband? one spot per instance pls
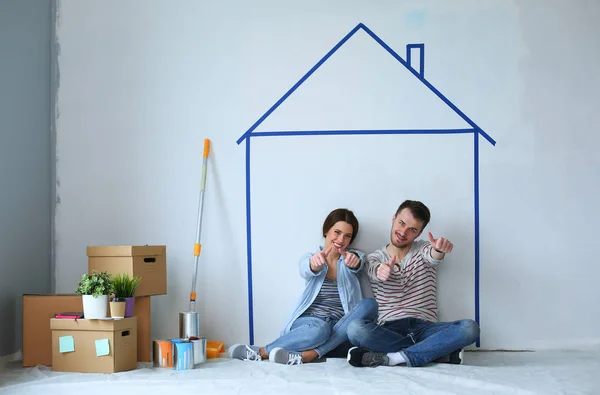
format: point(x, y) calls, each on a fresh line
point(438, 251)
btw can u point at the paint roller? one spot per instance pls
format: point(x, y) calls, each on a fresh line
point(197, 244)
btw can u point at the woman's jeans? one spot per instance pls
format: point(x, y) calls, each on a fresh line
point(323, 335)
point(419, 341)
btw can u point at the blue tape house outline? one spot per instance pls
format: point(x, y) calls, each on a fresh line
point(475, 130)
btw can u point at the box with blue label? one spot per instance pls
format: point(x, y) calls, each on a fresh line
point(94, 346)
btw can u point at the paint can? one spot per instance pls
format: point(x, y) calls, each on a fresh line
point(163, 353)
point(199, 345)
point(189, 324)
point(183, 354)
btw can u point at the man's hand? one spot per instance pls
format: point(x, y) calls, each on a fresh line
point(318, 260)
point(440, 246)
point(350, 259)
point(385, 269)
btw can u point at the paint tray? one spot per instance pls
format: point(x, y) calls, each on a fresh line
point(214, 348)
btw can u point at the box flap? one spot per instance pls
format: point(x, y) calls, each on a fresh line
point(126, 250)
point(92, 325)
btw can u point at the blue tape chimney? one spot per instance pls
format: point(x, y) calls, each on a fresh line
point(419, 50)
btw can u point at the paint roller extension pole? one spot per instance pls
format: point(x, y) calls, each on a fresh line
point(198, 245)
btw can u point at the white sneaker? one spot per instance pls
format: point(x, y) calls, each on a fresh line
point(279, 355)
point(245, 352)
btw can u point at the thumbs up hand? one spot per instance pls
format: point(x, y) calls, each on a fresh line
point(318, 260)
point(385, 269)
point(440, 245)
point(350, 260)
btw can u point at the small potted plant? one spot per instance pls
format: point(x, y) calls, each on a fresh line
point(124, 289)
point(94, 290)
point(117, 307)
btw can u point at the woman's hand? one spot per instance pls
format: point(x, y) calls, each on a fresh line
point(318, 260)
point(350, 259)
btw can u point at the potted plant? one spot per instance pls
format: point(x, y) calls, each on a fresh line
point(117, 307)
point(94, 290)
point(124, 289)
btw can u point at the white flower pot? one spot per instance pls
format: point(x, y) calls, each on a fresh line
point(95, 307)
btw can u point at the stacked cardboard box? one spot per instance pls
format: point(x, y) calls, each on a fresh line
point(98, 346)
point(37, 334)
point(147, 262)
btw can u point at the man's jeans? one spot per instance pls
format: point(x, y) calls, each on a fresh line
point(323, 335)
point(419, 341)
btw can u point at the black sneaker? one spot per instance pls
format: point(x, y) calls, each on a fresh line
point(360, 357)
point(456, 357)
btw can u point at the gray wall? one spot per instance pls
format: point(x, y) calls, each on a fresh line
point(26, 160)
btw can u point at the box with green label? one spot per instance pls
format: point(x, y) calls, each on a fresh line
point(94, 346)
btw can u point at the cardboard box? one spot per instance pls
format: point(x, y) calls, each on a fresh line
point(142, 310)
point(147, 262)
point(37, 335)
point(94, 346)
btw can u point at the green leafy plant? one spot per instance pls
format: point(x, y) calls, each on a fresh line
point(125, 286)
point(95, 284)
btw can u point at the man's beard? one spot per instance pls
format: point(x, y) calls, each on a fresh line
point(396, 243)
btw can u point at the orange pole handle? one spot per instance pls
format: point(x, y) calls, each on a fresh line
point(206, 148)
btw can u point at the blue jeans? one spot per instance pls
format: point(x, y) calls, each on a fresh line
point(323, 335)
point(418, 341)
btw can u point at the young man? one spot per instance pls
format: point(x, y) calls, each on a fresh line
point(403, 278)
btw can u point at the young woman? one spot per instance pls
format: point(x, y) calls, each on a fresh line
point(332, 298)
